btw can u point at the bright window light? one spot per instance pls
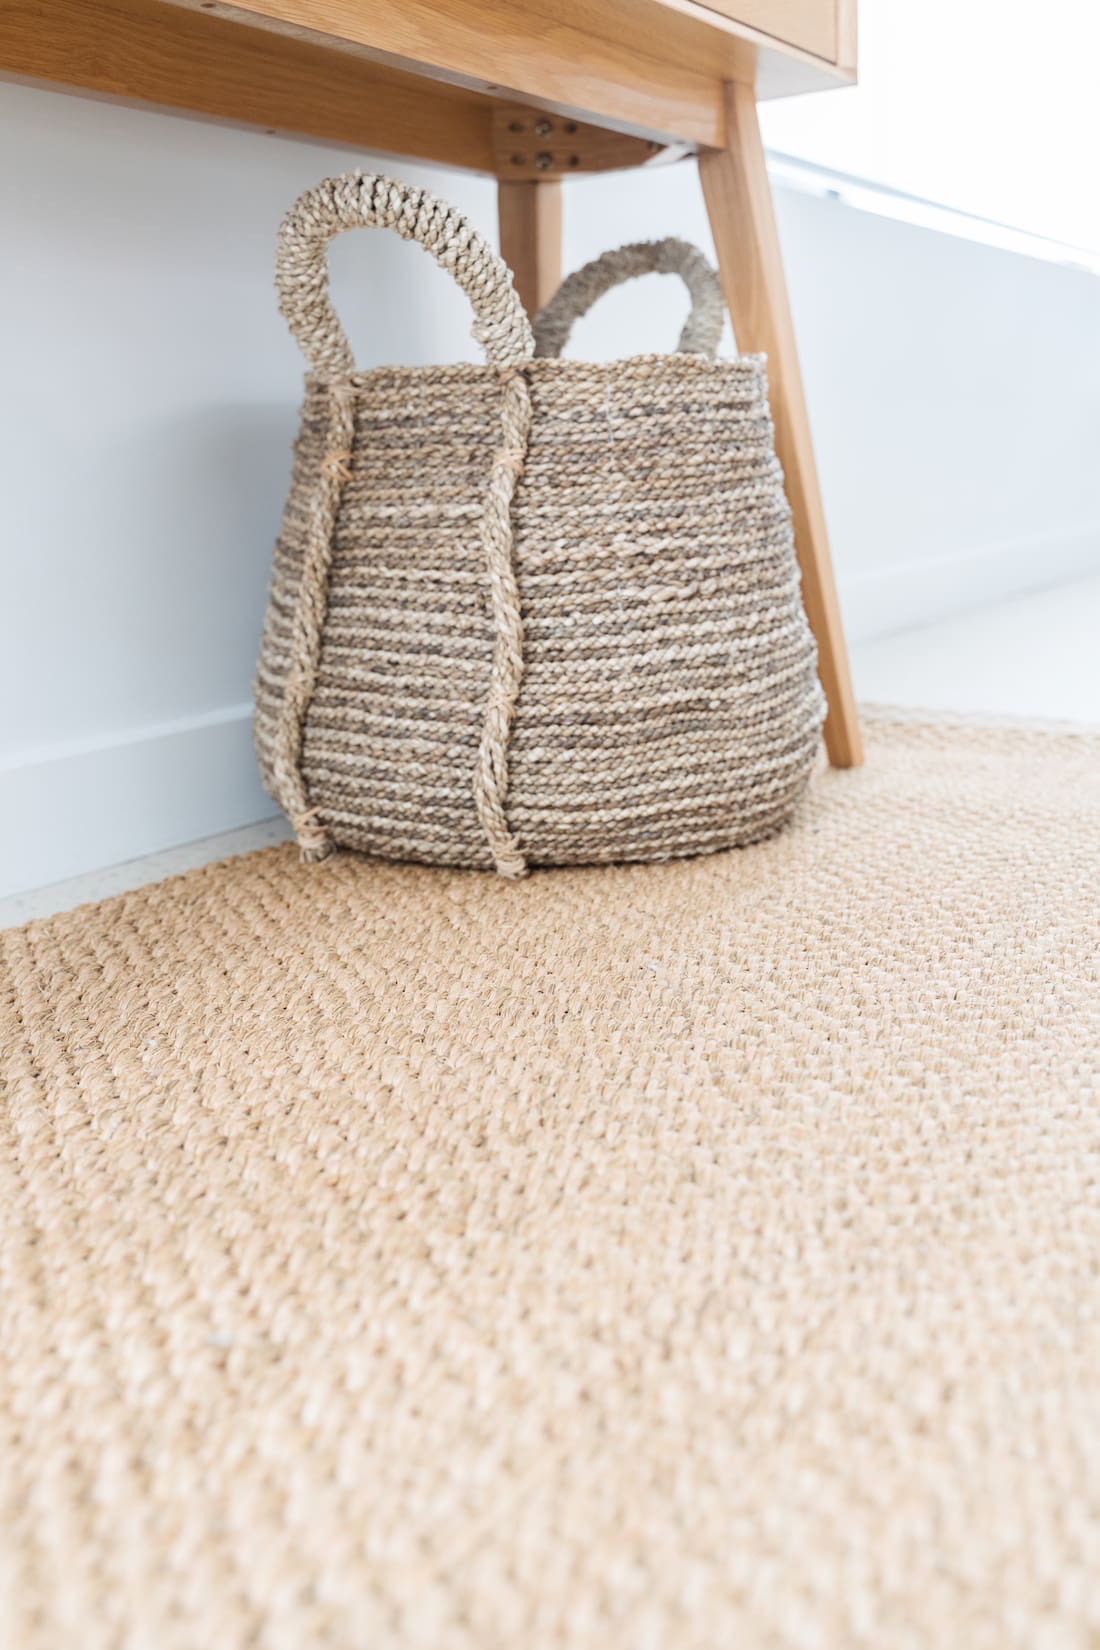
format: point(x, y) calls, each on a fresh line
point(989, 107)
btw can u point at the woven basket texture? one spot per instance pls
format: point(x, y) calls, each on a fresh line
point(537, 612)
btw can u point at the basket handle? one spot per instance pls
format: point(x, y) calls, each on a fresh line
point(579, 291)
point(365, 200)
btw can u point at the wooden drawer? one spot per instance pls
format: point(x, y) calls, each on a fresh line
point(811, 25)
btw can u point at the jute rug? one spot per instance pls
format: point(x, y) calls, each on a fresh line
point(690, 1257)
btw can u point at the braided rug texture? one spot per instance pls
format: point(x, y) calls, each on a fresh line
point(539, 612)
point(630, 1258)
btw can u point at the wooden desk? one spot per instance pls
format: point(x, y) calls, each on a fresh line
point(530, 91)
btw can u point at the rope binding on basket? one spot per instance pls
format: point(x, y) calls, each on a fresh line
point(501, 327)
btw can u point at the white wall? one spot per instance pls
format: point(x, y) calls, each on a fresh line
point(149, 405)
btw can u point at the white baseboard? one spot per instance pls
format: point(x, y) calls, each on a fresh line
point(883, 601)
point(77, 807)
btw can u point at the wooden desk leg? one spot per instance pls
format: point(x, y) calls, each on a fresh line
point(742, 221)
point(530, 238)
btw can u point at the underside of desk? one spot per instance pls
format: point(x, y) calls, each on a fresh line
point(442, 83)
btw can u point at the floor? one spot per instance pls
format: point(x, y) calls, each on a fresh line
point(1036, 656)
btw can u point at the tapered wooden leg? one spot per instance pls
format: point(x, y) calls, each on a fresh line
point(742, 221)
point(530, 238)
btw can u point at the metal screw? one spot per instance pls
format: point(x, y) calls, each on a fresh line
point(544, 162)
point(543, 128)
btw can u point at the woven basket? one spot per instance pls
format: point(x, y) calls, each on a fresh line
point(536, 612)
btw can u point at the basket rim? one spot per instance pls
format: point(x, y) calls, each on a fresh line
point(752, 366)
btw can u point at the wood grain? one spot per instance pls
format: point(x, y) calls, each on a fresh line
point(810, 24)
point(530, 238)
point(650, 67)
point(504, 46)
point(742, 218)
point(403, 76)
point(142, 51)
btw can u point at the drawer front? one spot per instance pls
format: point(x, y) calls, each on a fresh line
point(811, 25)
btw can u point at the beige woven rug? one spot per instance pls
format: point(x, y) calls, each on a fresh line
point(691, 1257)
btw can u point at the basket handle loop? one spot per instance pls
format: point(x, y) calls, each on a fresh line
point(579, 291)
point(365, 200)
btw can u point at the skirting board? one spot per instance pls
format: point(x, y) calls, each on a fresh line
point(887, 599)
point(76, 808)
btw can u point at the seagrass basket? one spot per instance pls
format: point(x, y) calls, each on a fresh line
point(536, 612)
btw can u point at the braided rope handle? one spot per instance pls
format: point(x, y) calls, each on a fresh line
point(365, 200)
point(501, 326)
point(579, 291)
